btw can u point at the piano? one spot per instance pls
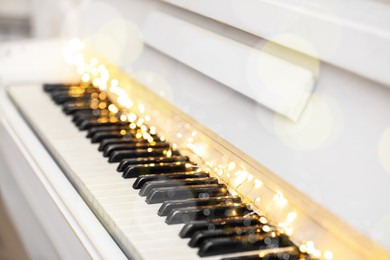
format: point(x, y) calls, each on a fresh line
point(200, 133)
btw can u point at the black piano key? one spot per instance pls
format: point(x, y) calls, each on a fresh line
point(185, 215)
point(97, 137)
point(143, 179)
point(87, 114)
point(64, 98)
point(110, 128)
point(133, 171)
point(121, 147)
point(71, 108)
point(118, 156)
point(79, 120)
point(227, 245)
point(74, 107)
point(50, 87)
point(200, 236)
point(147, 160)
point(290, 253)
point(159, 195)
point(167, 206)
point(189, 229)
point(122, 140)
point(144, 191)
point(69, 88)
point(74, 91)
point(101, 121)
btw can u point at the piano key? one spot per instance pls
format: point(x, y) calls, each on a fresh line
point(147, 160)
point(198, 238)
point(105, 121)
point(122, 140)
point(142, 179)
point(144, 191)
point(218, 246)
point(290, 253)
point(49, 87)
point(96, 129)
point(185, 215)
point(86, 114)
point(134, 171)
point(120, 147)
point(167, 206)
point(189, 229)
point(117, 156)
point(159, 195)
point(101, 135)
point(71, 108)
point(89, 112)
point(63, 98)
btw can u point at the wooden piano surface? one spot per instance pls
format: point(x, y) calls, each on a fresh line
point(337, 153)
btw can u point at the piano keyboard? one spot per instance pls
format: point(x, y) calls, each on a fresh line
point(154, 200)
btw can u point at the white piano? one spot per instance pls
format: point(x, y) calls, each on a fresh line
point(294, 94)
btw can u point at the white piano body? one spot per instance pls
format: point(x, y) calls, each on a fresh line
point(335, 147)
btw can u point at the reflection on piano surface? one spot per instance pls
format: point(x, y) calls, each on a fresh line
point(103, 162)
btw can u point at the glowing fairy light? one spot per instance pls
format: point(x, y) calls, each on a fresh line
point(125, 101)
point(263, 220)
point(199, 149)
point(266, 228)
point(133, 126)
point(103, 72)
point(258, 184)
point(96, 82)
point(85, 77)
point(141, 108)
point(132, 117)
point(152, 130)
point(291, 216)
point(113, 108)
point(123, 118)
point(232, 165)
point(114, 83)
point(317, 253)
point(140, 122)
point(289, 231)
point(328, 255)
point(280, 200)
point(144, 128)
